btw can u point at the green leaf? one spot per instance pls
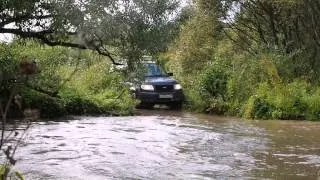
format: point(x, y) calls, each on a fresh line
point(18, 175)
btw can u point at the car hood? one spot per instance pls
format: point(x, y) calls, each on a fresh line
point(160, 81)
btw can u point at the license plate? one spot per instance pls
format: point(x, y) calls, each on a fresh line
point(165, 96)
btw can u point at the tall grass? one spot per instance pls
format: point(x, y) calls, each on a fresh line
point(249, 86)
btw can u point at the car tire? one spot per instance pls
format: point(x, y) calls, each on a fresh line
point(145, 105)
point(176, 105)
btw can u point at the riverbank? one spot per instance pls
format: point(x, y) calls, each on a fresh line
point(38, 105)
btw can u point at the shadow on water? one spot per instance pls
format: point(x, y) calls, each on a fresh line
point(165, 144)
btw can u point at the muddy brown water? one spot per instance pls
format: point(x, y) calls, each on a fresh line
point(162, 144)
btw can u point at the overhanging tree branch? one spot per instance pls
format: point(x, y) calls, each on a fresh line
point(44, 36)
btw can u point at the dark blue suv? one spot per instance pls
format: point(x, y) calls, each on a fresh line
point(158, 88)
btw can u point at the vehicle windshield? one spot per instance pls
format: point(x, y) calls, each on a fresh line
point(153, 70)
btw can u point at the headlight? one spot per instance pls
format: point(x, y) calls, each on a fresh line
point(177, 87)
point(147, 87)
point(132, 88)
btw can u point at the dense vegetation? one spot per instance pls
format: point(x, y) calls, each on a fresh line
point(78, 81)
point(70, 82)
point(255, 59)
point(111, 28)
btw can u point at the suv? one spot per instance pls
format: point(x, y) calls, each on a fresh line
point(158, 88)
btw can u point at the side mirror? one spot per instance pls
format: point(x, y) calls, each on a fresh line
point(170, 74)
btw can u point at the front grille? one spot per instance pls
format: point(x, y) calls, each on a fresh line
point(163, 88)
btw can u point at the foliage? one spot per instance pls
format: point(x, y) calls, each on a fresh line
point(257, 59)
point(251, 87)
point(260, 64)
point(50, 107)
point(214, 81)
point(109, 27)
point(74, 104)
point(5, 173)
point(70, 82)
point(8, 67)
point(284, 101)
point(4, 170)
point(289, 27)
point(194, 46)
point(97, 88)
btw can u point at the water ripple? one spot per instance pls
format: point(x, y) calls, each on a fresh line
point(179, 146)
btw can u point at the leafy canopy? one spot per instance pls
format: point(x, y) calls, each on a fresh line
point(128, 26)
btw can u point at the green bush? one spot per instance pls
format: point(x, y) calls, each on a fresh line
point(284, 101)
point(214, 81)
point(193, 100)
point(216, 105)
point(116, 101)
point(78, 105)
point(49, 107)
point(312, 102)
point(251, 86)
point(107, 102)
point(85, 82)
point(257, 108)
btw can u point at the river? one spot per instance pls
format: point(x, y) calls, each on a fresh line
point(162, 144)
